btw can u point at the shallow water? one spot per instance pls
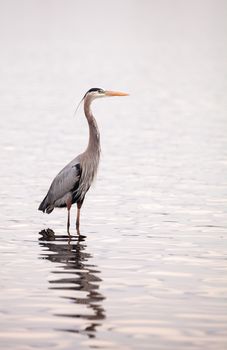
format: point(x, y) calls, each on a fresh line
point(149, 271)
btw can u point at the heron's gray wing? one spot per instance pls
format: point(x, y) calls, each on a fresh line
point(67, 180)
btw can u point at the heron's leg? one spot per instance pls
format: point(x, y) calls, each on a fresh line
point(68, 222)
point(78, 218)
point(79, 205)
point(69, 204)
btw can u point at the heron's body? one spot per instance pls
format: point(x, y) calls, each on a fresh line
point(64, 188)
point(74, 180)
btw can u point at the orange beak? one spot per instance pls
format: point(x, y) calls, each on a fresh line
point(115, 93)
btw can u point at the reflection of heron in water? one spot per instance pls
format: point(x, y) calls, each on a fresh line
point(71, 253)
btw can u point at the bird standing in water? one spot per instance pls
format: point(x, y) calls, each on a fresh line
point(74, 180)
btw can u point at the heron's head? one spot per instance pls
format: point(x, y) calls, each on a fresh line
point(97, 92)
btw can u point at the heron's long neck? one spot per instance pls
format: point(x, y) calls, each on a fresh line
point(94, 135)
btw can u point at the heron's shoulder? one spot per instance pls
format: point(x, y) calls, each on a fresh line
point(68, 175)
point(65, 180)
point(71, 167)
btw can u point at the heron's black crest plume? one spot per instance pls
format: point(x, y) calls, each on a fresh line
point(74, 114)
point(95, 90)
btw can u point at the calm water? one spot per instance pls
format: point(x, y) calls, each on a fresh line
point(150, 269)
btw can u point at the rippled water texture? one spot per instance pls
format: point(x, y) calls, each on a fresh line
point(149, 271)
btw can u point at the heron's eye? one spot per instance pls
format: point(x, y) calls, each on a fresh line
point(101, 91)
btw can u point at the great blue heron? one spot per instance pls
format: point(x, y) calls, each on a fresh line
point(74, 180)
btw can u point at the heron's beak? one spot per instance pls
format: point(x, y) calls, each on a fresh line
point(115, 93)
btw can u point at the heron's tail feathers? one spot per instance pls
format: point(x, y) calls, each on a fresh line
point(49, 209)
point(45, 206)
